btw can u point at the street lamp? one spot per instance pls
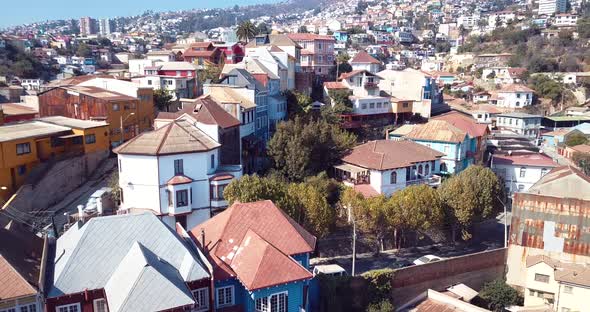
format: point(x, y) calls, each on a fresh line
point(121, 124)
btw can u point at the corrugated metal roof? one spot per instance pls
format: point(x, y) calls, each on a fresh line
point(88, 256)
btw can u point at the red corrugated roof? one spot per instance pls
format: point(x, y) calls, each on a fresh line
point(364, 57)
point(464, 123)
point(524, 159)
point(334, 85)
point(307, 36)
point(225, 232)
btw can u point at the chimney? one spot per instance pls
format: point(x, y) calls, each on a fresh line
point(203, 238)
point(81, 213)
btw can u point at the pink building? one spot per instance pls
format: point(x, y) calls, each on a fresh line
point(317, 53)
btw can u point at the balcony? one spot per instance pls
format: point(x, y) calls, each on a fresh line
point(432, 181)
point(371, 85)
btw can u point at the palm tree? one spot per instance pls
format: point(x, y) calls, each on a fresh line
point(246, 31)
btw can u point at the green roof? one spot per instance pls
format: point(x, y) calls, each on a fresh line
point(568, 118)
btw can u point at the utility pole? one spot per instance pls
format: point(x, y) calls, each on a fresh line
point(353, 246)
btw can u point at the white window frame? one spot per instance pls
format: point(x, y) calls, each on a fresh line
point(29, 307)
point(266, 302)
point(217, 297)
point(68, 307)
point(11, 309)
point(96, 302)
point(205, 294)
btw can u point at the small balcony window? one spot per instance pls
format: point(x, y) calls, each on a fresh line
point(182, 198)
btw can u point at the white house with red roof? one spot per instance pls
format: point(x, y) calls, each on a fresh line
point(521, 170)
point(514, 96)
point(364, 61)
point(386, 166)
point(260, 258)
point(179, 170)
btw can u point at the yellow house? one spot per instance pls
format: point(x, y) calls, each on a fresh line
point(559, 286)
point(23, 145)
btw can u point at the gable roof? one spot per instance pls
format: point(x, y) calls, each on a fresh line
point(102, 254)
point(515, 88)
point(563, 182)
point(465, 123)
point(437, 130)
point(363, 58)
point(356, 72)
point(388, 154)
point(13, 284)
point(176, 137)
point(255, 250)
point(227, 231)
point(331, 85)
point(569, 273)
point(205, 110)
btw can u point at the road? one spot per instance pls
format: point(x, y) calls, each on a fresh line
point(487, 235)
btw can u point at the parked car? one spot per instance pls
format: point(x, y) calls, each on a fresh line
point(427, 259)
point(329, 269)
point(402, 263)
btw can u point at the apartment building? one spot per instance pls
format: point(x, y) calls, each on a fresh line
point(520, 171)
point(317, 53)
point(519, 123)
point(87, 26)
point(551, 7)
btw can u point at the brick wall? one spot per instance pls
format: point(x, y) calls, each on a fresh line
point(472, 270)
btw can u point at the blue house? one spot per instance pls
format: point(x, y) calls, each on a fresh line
point(341, 36)
point(259, 257)
point(440, 135)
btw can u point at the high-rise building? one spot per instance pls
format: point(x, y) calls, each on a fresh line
point(550, 7)
point(87, 26)
point(104, 25)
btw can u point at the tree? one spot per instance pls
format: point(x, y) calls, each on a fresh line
point(297, 102)
point(210, 73)
point(263, 29)
point(576, 139)
point(340, 101)
point(303, 202)
point(416, 208)
point(83, 50)
point(582, 160)
point(302, 29)
point(546, 87)
point(299, 149)
point(498, 295)
point(246, 31)
point(113, 183)
point(583, 25)
point(162, 99)
point(383, 306)
point(470, 196)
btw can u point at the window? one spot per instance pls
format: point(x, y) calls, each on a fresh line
point(273, 303)
point(22, 170)
point(8, 310)
point(90, 138)
point(77, 140)
point(178, 167)
point(213, 161)
point(149, 82)
point(371, 105)
point(23, 148)
point(405, 105)
point(517, 105)
point(68, 308)
point(201, 298)
point(568, 289)
point(115, 107)
point(225, 296)
point(217, 192)
point(393, 178)
point(521, 187)
point(364, 106)
point(379, 104)
point(182, 198)
point(100, 305)
point(522, 172)
point(544, 171)
point(56, 142)
point(541, 278)
point(427, 169)
point(531, 292)
point(29, 308)
point(420, 169)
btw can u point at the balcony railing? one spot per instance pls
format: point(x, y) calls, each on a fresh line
point(433, 181)
point(371, 85)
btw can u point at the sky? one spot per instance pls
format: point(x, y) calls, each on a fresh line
point(16, 12)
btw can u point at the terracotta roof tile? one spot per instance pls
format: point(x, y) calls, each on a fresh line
point(179, 179)
point(515, 88)
point(334, 85)
point(307, 36)
point(388, 154)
